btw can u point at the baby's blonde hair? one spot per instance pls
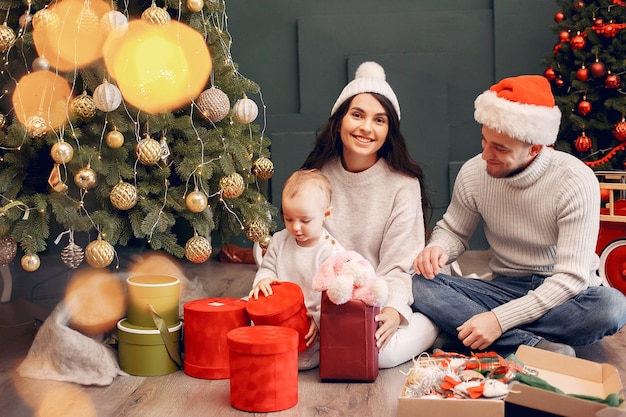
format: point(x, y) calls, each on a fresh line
point(303, 178)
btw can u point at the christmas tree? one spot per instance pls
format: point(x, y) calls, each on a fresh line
point(126, 124)
point(586, 69)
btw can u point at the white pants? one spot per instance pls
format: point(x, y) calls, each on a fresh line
point(409, 341)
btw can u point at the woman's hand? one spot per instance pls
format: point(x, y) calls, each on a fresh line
point(388, 321)
point(264, 286)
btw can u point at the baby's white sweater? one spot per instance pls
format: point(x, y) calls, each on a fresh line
point(544, 221)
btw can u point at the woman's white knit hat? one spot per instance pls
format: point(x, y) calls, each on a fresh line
point(369, 78)
point(520, 107)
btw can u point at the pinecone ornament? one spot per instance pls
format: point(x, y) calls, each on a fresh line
point(8, 249)
point(198, 249)
point(72, 255)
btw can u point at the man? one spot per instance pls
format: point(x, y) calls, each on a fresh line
point(540, 211)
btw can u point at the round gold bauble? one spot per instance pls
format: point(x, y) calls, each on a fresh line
point(99, 253)
point(265, 241)
point(156, 15)
point(72, 255)
point(85, 178)
point(196, 201)
point(62, 152)
point(8, 249)
point(263, 168)
point(7, 37)
point(30, 262)
point(47, 20)
point(232, 186)
point(256, 230)
point(36, 126)
point(114, 139)
point(83, 107)
point(198, 249)
point(245, 110)
point(214, 104)
point(123, 196)
point(195, 6)
point(3, 121)
point(148, 151)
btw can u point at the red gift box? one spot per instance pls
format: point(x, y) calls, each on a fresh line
point(285, 307)
point(263, 368)
point(207, 322)
point(348, 349)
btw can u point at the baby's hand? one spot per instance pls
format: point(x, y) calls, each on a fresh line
point(264, 286)
point(313, 333)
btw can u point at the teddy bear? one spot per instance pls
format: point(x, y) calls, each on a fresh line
point(349, 276)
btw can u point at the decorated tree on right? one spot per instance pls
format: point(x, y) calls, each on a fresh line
point(587, 70)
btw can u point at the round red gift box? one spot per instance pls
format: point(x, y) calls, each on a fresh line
point(263, 368)
point(207, 321)
point(285, 307)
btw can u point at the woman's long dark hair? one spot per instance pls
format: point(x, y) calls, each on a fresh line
point(328, 145)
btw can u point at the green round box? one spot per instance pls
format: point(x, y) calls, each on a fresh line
point(142, 351)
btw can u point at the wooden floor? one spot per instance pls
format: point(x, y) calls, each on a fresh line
point(178, 394)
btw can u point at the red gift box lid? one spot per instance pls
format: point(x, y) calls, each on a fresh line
point(286, 301)
point(262, 340)
point(220, 304)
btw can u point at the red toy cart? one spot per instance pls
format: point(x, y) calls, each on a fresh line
point(611, 246)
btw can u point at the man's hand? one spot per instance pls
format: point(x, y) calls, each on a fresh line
point(429, 261)
point(480, 331)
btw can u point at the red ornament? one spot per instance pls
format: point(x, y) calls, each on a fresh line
point(598, 69)
point(578, 42)
point(582, 143)
point(559, 17)
point(583, 74)
point(605, 194)
point(612, 81)
point(578, 6)
point(597, 24)
point(550, 74)
point(556, 48)
point(564, 36)
point(559, 82)
point(583, 107)
point(619, 130)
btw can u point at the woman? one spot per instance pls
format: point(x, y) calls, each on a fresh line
point(379, 202)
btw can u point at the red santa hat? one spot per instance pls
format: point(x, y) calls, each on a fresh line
point(520, 107)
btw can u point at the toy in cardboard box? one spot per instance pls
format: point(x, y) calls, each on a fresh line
point(352, 295)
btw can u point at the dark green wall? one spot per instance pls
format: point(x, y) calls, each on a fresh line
point(438, 56)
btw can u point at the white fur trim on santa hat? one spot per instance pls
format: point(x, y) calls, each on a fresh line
point(369, 78)
point(538, 125)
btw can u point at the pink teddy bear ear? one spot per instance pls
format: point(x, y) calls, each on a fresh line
point(340, 290)
point(324, 276)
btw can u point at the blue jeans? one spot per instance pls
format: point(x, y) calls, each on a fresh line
point(450, 301)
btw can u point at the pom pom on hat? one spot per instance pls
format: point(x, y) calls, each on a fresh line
point(369, 78)
point(520, 107)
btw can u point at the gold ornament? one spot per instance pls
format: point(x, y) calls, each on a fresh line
point(148, 151)
point(85, 178)
point(123, 196)
point(46, 20)
point(62, 152)
point(265, 241)
point(232, 186)
point(107, 97)
point(3, 121)
point(8, 249)
point(55, 181)
point(245, 110)
point(114, 139)
point(195, 6)
point(214, 104)
point(156, 15)
point(263, 168)
point(36, 126)
point(256, 230)
point(99, 253)
point(72, 255)
point(196, 201)
point(83, 107)
point(30, 262)
point(7, 37)
point(198, 249)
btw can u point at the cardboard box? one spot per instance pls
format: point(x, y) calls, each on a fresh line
point(571, 375)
